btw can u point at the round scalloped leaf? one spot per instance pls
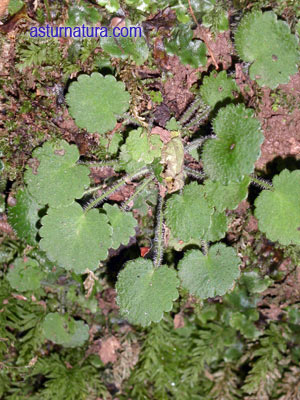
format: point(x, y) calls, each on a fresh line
point(218, 88)
point(58, 179)
point(64, 330)
point(95, 102)
point(144, 293)
point(123, 225)
point(25, 275)
point(226, 196)
point(209, 275)
point(74, 239)
point(269, 45)
point(24, 216)
point(188, 215)
point(143, 147)
point(278, 210)
point(233, 153)
point(126, 47)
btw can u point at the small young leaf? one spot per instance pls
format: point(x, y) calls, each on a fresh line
point(188, 214)
point(96, 102)
point(269, 45)
point(189, 51)
point(123, 225)
point(25, 275)
point(244, 323)
point(58, 179)
point(74, 239)
point(226, 196)
point(64, 330)
point(233, 153)
point(143, 147)
point(24, 216)
point(278, 211)
point(209, 275)
point(218, 88)
point(254, 282)
point(145, 293)
point(126, 162)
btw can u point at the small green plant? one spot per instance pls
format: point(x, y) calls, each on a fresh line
point(137, 259)
point(76, 234)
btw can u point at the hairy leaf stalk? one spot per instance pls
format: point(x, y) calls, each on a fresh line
point(201, 116)
point(261, 183)
point(195, 174)
point(159, 234)
point(190, 111)
point(114, 188)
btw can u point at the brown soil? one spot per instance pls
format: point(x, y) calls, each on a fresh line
point(281, 126)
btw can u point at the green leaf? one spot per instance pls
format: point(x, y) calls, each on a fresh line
point(146, 199)
point(189, 51)
point(58, 179)
point(268, 44)
point(209, 275)
point(74, 239)
point(216, 230)
point(218, 88)
point(127, 163)
point(14, 6)
point(123, 225)
point(64, 330)
point(217, 19)
point(233, 153)
point(25, 275)
point(81, 13)
point(188, 214)
point(254, 282)
point(173, 125)
point(226, 196)
point(144, 293)
point(278, 211)
point(143, 147)
point(134, 48)
point(24, 216)
point(95, 102)
point(111, 5)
